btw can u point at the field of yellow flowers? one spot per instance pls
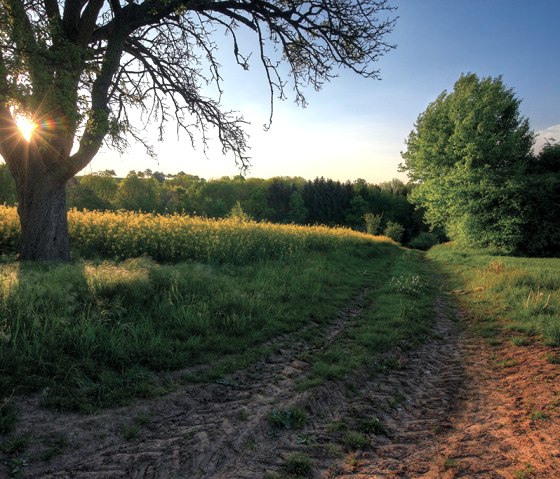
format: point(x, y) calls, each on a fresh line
point(174, 238)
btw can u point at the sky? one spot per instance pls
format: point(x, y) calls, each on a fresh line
point(356, 128)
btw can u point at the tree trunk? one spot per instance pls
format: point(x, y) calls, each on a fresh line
point(44, 224)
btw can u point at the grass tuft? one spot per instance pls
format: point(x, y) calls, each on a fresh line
point(299, 464)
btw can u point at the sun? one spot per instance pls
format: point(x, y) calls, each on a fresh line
point(26, 126)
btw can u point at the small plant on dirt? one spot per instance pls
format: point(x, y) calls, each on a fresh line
point(398, 399)
point(250, 444)
point(519, 341)
point(506, 363)
point(332, 449)
point(539, 415)
point(299, 464)
point(16, 445)
point(309, 439)
point(553, 358)
point(410, 284)
point(354, 440)
point(390, 364)
point(372, 425)
point(131, 431)
point(336, 426)
point(16, 466)
point(55, 447)
point(287, 418)
point(8, 416)
point(352, 460)
point(526, 473)
point(450, 463)
point(244, 414)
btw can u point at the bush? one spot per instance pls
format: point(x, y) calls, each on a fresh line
point(394, 231)
point(373, 223)
point(424, 241)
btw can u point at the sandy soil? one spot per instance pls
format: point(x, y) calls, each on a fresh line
point(451, 408)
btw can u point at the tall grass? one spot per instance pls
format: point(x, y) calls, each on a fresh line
point(174, 238)
point(149, 295)
point(101, 332)
point(524, 293)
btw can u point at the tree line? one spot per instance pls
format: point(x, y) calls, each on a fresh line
point(279, 200)
point(471, 158)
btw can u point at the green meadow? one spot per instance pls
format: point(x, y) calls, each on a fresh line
point(102, 331)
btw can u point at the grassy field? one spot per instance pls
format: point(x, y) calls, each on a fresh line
point(102, 331)
point(518, 294)
point(175, 238)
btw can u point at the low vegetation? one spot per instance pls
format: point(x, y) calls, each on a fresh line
point(174, 238)
point(111, 327)
point(519, 294)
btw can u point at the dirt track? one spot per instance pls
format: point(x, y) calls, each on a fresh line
point(452, 408)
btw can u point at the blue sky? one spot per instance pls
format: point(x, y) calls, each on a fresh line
point(355, 128)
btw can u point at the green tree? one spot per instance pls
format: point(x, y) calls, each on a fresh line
point(136, 193)
point(373, 222)
point(395, 231)
point(358, 207)
point(297, 212)
point(82, 196)
point(467, 155)
point(541, 201)
point(237, 213)
point(77, 68)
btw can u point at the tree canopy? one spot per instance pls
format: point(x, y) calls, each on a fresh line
point(468, 154)
point(78, 68)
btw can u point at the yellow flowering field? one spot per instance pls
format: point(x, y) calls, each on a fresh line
point(172, 238)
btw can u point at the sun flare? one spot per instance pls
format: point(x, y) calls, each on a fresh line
point(26, 126)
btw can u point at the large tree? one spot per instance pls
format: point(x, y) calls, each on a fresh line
point(77, 67)
point(468, 155)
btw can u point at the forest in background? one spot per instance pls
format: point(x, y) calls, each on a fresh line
point(286, 200)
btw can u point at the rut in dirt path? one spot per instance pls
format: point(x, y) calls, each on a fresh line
point(469, 413)
point(199, 431)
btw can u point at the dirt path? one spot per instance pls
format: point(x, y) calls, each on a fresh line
point(472, 411)
point(453, 407)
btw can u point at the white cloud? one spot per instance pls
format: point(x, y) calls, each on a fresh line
point(543, 135)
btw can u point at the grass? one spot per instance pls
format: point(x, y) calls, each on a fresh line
point(450, 463)
point(521, 295)
point(372, 425)
point(8, 416)
point(288, 418)
point(55, 447)
point(299, 464)
point(354, 440)
point(103, 332)
point(402, 295)
point(539, 415)
point(99, 333)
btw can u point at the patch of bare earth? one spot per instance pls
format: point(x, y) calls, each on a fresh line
point(473, 411)
point(452, 407)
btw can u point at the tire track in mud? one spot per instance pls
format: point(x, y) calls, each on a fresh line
point(199, 431)
point(466, 415)
point(447, 409)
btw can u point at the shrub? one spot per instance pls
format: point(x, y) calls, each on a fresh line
point(424, 241)
point(373, 223)
point(394, 231)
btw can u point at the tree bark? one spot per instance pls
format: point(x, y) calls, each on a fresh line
point(44, 224)
point(41, 198)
